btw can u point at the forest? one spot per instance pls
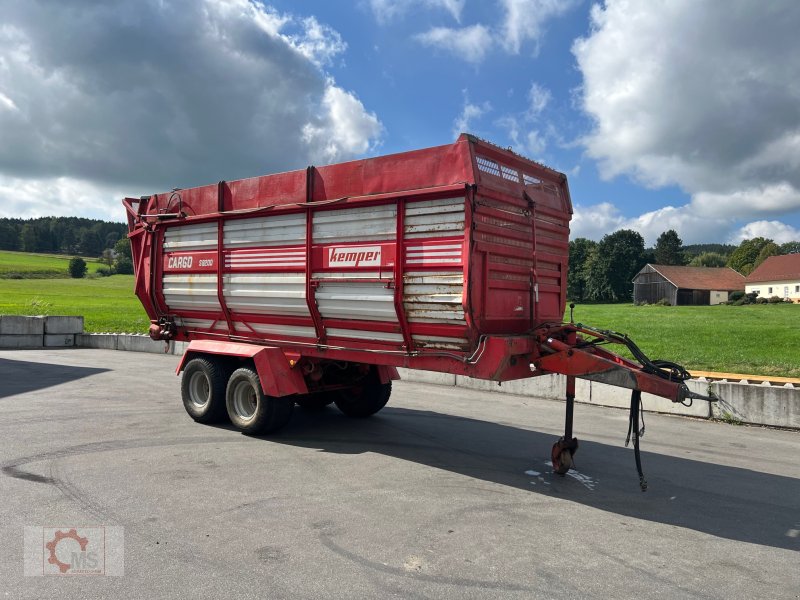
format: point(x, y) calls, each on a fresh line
point(60, 235)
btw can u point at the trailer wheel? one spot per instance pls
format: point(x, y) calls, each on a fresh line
point(364, 400)
point(203, 390)
point(249, 409)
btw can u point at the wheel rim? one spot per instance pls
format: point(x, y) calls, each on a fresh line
point(245, 400)
point(199, 389)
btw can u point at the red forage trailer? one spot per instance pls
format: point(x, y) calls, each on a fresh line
point(310, 287)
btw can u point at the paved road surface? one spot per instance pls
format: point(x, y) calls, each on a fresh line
point(444, 494)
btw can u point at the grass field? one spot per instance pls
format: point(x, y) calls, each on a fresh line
point(759, 339)
point(38, 266)
point(107, 303)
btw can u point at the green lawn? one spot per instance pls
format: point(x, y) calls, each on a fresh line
point(759, 339)
point(107, 303)
point(30, 265)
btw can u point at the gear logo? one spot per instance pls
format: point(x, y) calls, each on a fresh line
point(59, 537)
point(74, 550)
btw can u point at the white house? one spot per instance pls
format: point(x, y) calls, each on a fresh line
point(776, 276)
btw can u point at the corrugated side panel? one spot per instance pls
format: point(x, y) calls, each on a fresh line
point(369, 301)
point(196, 292)
point(368, 223)
point(190, 291)
point(433, 284)
point(268, 257)
point(353, 299)
point(190, 237)
point(434, 218)
point(266, 293)
point(273, 230)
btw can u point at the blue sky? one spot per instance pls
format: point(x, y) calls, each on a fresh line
point(664, 114)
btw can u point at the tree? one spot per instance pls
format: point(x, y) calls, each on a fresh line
point(790, 248)
point(743, 259)
point(769, 249)
point(9, 237)
point(579, 252)
point(124, 263)
point(668, 249)
point(612, 266)
point(77, 267)
point(28, 239)
point(708, 259)
point(89, 242)
point(123, 266)
point(123, 248)
point(107, 258)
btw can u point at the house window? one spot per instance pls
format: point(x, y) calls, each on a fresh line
point(769, 290)
point(797, 288)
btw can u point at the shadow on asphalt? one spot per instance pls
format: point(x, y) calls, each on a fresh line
point(728, 502)
point(18, 376)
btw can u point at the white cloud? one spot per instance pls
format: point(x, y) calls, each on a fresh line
point(700, 94)
point(388, 10)
point(62, 197)
point(523, 129)
point(595, 221)
point(317, 42)
point(538, 98)
point(525, 21)
point(469, 112)
point(346, 129)
point(142, 97)
point(468, 43)
point(777, 231)
point(7, 102)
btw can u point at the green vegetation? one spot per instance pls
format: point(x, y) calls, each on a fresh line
point(759, 339)
point(64, 235)
point(106, 303)
point(25, 265)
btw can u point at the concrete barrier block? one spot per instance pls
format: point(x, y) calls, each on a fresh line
point(759, 405)
point(101, 341)
point(140, 343)
point(19, 325)
point(59, 340)
point(420, 376)
point(178, 348)
point(609, 395)
point(21, 341)
point(63, 325)
point(545, 386)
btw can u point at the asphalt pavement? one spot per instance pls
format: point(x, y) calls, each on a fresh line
point(446, 493)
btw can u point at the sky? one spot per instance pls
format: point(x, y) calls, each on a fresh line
point(664, 114)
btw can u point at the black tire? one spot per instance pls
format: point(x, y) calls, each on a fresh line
point(315, 402)
point(249, 409)
point(203, 390)
point(365, 399)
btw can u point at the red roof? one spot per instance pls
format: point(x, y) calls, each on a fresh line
point(777, 268)
point(701, 278)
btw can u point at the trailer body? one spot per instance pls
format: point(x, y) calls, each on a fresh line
point(322, 281)
point(412, 259)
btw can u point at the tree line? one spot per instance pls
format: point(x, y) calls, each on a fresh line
point(603, 271)
point(60, 235)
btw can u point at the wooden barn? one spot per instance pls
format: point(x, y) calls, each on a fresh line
point(683, 286)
